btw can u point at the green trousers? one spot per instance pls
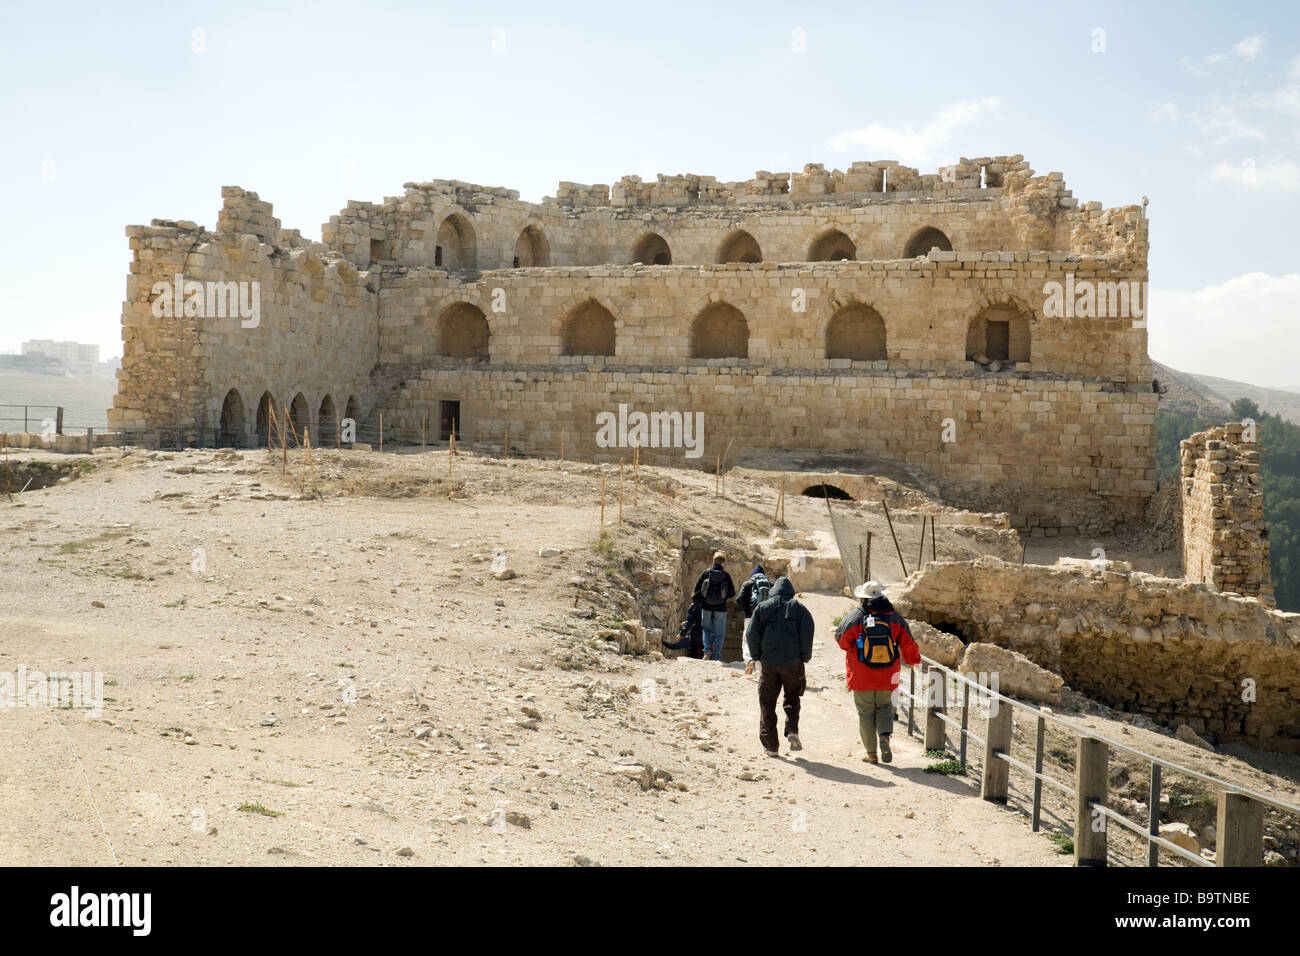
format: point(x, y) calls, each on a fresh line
point(875, 715)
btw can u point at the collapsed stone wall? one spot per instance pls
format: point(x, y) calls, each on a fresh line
point(1225, 539)
point(315, 331)
point(1176, 651)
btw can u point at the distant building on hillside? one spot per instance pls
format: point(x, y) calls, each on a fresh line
point(75, 356)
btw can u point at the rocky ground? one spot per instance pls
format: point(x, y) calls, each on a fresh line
point(340, 678)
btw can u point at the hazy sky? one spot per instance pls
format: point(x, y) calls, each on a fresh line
point(121, 114)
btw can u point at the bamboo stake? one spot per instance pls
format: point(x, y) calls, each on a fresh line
point(636, 475)
point(505, 445)
point(451, 454)
point(867, 572)
point(381, 433)
point(561, 446)
point(602, 502)
point(934, 548)
point(717, 476)
point(311, 465)
point(338, 431)
point(284, 444)
point(884, 504)
point(620, 491)
point(422, 433)
point(1024, 545)
point(920, 555)
point(776, 515)
point(453, 436)
point(862, 563)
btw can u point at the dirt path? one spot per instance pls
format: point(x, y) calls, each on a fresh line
point(823, 804)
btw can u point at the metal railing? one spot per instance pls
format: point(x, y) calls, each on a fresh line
point(1240, 809)
point(38, 417)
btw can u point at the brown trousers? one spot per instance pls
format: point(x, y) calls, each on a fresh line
point(775, 681)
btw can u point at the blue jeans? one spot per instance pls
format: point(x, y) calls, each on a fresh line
point(715, 632)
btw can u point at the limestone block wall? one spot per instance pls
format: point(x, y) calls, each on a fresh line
point(1225, 539)
point(927, 307)
point(315, 330)
point(880, 207)
point(1177, 651)
point(1090, 445)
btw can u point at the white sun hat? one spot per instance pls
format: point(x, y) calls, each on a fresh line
point(869, 589)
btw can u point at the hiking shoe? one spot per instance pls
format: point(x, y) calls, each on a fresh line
point(749, 668)
point(771, 753)
point(793, 740)
point(885, 753)
point(871, 758)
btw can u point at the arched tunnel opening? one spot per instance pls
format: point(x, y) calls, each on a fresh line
point(827, 491)
point(958, 629)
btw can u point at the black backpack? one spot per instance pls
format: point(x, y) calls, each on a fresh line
point(760, 588)
point(715, 586)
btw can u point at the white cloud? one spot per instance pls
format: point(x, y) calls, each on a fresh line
point(1244, 50)
point(1218, 122)
point(1264, 175)
point(913, 145)
point(1247, 49)
point(1293, 72)
point(1243, 329)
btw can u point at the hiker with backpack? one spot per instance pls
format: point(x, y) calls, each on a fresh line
point(690, 636)
point(715, 588)
point(780, 637)
point(874, 636)
point(753, 592)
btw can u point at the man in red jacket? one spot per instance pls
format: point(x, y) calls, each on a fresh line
point(874, 637)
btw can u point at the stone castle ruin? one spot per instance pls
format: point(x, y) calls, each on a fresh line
point(977, 326)
point(875, 310)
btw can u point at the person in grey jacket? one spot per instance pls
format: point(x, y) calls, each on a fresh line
point(780, 637)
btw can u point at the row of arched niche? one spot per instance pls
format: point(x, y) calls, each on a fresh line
point(455, 247)
point(831, 246)
point(237, 429)
point(856, 332)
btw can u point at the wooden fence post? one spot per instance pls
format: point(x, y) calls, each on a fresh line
point(936, 692)
point(1090, 781)
point(1240, 830)
point(884, 504)
point(997, 740)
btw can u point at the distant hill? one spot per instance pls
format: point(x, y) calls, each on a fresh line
point(1209, 397)
point(1187, 394)
point(1281, 402)
point(85, 398)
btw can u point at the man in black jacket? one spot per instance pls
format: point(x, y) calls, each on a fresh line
point(715, 588)
point(781, 639)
